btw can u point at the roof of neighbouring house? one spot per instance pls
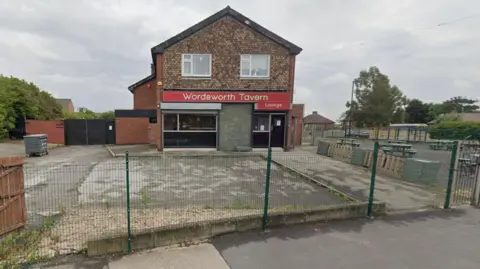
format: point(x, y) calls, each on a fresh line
point(316, 118)
point(469, 116)
point(64, 102)
point(472, 116)
point(228, 11)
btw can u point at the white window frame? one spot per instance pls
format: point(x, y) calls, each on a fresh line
point(191, 64)
point(243, 58)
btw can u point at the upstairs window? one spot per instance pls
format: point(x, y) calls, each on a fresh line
point(254, 66)
point(196, 65)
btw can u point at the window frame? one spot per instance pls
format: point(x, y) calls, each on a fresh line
point(250, 66)
point(191, 65)
point(178, 130)
point(268, 126)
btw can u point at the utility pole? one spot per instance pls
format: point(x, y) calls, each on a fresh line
point(351, 111)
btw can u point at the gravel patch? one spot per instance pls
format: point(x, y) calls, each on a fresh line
point(72, 232)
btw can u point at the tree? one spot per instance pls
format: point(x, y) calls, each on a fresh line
point(377, 102)
point(460, 104)
point(87, 114)
point(107, 115)
point(20, 100)
point(418, 112)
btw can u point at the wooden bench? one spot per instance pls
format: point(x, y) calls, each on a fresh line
point(387, 150)
point(436, 146)
point(410, 152)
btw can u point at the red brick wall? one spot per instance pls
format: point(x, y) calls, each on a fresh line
point(145, 97)
point(153, 133)
point(54, 129)
point(297, 112)
point(131, 130)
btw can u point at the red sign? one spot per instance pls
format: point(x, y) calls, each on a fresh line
point(273, 106)
point(226, 97)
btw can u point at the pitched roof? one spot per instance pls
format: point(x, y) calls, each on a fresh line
point(228, 11)
point(140, 82)
point(468, 116)
point(472, 116)
point(316, 118)
point(64, 102)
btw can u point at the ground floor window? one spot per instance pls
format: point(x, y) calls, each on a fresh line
point(189, 130)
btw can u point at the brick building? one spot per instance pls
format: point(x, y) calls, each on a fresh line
point(224, 83)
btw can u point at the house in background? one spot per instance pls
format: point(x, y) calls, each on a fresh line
point(468, 117)
point(316, 121)
point(66, 104)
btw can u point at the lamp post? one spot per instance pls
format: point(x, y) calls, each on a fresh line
point(351, 111)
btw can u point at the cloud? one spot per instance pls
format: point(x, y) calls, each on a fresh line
point(92, 50)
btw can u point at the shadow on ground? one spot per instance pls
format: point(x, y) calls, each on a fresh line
point(343, 226)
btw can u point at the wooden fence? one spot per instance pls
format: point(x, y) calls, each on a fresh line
point(13, 213)
point(391, 165)
point(340, 152)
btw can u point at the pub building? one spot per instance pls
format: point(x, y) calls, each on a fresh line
point(225, 83)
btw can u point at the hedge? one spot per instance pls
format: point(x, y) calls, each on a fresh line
point(455, 130)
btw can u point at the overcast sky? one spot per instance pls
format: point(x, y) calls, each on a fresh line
point(92, 50)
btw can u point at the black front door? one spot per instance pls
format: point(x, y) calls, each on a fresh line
point(277, 129)
point(111, 132)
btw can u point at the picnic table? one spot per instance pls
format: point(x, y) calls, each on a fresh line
point(468, 163)
point(439, 145)
point(404, 149)
point(397, 141)
point(349, 142)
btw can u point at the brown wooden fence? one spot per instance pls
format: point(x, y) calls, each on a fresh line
point(13, 213)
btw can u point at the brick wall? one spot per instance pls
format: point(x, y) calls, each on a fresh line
point(144, 96)
point(226, 39)
point(153, 133)
point(54, 129)
point(132, 131)
point(71, 108)
point(297, 112)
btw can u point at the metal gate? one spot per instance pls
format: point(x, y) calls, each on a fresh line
point(466, 186)
point(89, 132)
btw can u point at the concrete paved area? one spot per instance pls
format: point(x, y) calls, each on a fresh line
point(213, 182)
point(52, 181)
point(194, 257)
point(84, 189)
point(427, 240)
point(11, 148)
point(355, 181)
point(423, 152)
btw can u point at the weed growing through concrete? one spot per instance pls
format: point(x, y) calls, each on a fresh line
point(22, 247)
point(144, 196)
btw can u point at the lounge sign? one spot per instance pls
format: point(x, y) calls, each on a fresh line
point(226, 97)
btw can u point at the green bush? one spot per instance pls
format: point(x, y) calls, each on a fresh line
point(455, 130)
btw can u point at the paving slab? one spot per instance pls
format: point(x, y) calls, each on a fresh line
point(193, 257)
point(355, 181)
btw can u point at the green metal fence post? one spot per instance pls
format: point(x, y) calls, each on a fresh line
point(451, 174)
point(127, 171)
point(372, 179)
point(267, 190)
